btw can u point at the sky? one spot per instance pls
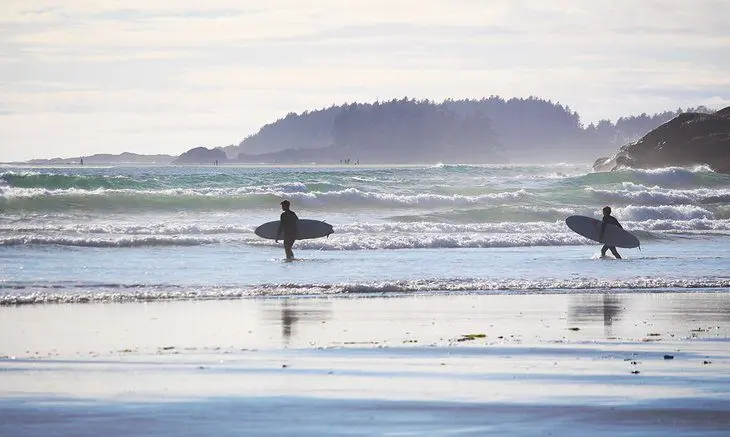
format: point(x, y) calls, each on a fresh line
point(79, 77)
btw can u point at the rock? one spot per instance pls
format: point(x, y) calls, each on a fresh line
point(668, 357)
point(688, 139)
point(201, 155)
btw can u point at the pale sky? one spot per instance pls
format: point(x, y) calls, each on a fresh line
point(79, 77)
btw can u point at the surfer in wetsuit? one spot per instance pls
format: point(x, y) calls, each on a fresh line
point(287, 227)
point(608, 218)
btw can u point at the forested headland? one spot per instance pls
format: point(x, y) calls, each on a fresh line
point(487, 130)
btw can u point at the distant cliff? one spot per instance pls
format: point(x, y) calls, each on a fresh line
point(686, 140)
point(201, 155)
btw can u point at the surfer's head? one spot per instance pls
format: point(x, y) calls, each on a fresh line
point(285, 205)
point(606, 210)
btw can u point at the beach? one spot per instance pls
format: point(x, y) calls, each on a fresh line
point(530, 364)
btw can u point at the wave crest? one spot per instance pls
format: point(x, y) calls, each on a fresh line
point(232, 199)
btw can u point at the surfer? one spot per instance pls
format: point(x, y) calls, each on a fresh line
point(288, 227)
point(608, 218)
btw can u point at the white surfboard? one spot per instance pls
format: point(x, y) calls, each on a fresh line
point(306, 229)
point(591, 228)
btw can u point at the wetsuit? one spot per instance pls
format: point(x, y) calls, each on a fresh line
point(611, 220)
point(288, 227)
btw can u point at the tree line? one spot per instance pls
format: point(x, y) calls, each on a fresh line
point(491, 129)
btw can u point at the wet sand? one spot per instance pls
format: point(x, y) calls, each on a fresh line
point(565, 364)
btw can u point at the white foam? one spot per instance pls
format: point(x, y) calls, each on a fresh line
point(426, 228)
point(433, 241)
point(698, 224)
point(349, 196)
point(21, 294)
point(105, 242)
point(664, 212)
point(656, 195)
point(354, 196)
point(127, 229)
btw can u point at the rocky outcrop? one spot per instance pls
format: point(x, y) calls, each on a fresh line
point(686, 140)
point(201, 155)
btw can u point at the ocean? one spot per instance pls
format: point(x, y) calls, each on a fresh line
point(116, 234)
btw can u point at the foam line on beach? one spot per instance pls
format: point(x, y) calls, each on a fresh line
point(24, 293)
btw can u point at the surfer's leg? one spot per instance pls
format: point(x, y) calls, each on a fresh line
point(615, 252)
point(287, 248)
point(604, 249)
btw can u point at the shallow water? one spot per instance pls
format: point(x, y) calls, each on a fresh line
point(79, 234)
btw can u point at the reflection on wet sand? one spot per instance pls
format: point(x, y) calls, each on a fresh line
point(292, 311)
point(608, 308)
point(591, 308)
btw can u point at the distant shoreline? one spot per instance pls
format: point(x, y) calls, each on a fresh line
point(271, 165)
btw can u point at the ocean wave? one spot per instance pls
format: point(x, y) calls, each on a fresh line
point(426, 228)
point(345, 228)
point(477, 216)
point(656, 195)
point(34, 183)
point(663, 212)
point(698, 176)
point(354, 241)
point(68, 292)
point(126, 229)
point(111, 242)
point(436, 241)
point(696, 224)
point(348, 236)
point(54, 181)
point(232, 198)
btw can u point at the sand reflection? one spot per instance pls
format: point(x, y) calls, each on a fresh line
point(292, 312)
point(605, 308)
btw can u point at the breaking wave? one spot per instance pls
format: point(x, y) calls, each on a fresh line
point(664, 212)
point(636, 193)
point(147, 241)
point(213, 198)
point(699, 176)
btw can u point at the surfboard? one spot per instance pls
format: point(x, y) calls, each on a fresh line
point(306, 229)
point(591, 228)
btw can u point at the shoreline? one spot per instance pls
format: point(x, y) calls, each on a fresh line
point(330, 291)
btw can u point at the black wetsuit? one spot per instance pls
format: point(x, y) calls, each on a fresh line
point(611, 220)
point(288, 227)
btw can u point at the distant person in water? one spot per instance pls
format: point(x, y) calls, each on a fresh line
point(287, 228)
point(608, 218)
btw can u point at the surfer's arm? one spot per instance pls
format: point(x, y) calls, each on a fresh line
point(615, 222)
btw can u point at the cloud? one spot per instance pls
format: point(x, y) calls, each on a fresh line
point(235, 66)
